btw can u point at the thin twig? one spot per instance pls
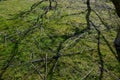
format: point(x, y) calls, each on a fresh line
point(84, 78)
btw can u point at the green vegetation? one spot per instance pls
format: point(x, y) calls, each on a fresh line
point(35, 45)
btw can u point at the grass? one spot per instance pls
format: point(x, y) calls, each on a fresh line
point(40, 42)
point(11, 7)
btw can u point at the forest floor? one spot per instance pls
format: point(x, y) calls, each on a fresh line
point(57, 45)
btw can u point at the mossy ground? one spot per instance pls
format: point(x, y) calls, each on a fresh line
point(46, 40)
